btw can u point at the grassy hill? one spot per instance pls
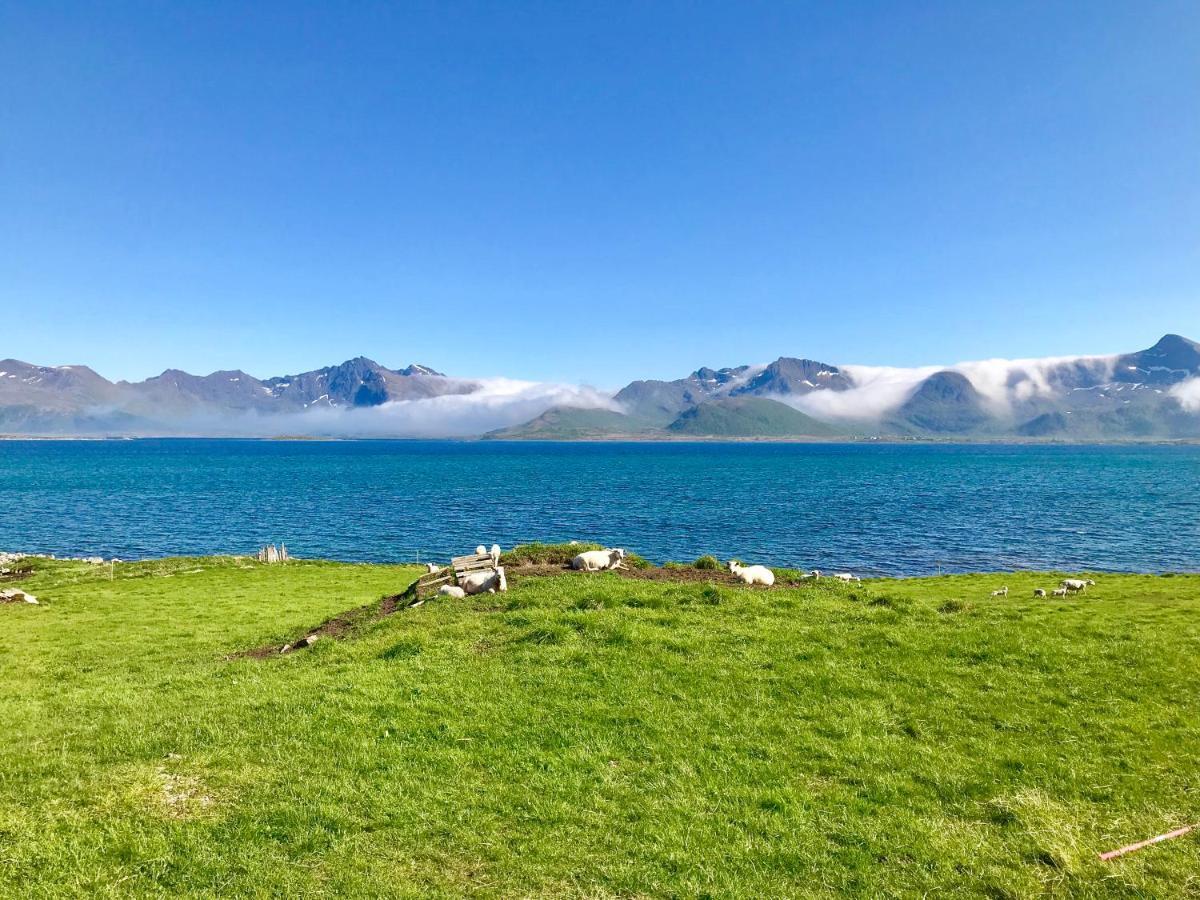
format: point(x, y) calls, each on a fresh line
point(748, 417)
point(594, 736)
point(570, 422)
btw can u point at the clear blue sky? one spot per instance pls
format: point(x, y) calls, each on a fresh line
point(594, 191)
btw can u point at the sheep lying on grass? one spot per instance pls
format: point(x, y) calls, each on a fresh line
point(598, 560)
point(752, 574)
point(845, 577)
point(451, 590)
point(485, 582)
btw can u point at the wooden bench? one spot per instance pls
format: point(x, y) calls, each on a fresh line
point(427, 585)
point(476, 562)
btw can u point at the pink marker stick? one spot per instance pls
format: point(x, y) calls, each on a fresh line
point(1121, 851)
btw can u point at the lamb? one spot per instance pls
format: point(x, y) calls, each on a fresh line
point(845, 577)
point(813, 575)
point(598, 560)
point(488, 582)
point(1059, 592)
point(1039, 592)
point(752, 574)
point(1076, 584)
point(494, 553)
point(451, 590)
point(1003, 592)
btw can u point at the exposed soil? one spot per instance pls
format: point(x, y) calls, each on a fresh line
point(336, 627)
point(681, 574)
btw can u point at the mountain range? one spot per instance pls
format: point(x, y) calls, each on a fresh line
point(1150, 394)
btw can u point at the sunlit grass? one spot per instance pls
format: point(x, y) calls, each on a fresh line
point(595, 736)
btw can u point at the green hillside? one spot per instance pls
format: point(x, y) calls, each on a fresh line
point(748, 417)
point(594, 736)
point(570, 422)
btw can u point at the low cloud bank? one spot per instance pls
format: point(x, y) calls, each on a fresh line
point(1187, 392)
point(496, 403)
point(1003, 383)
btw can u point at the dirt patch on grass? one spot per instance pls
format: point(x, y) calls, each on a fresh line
point(336, 627)
point(684, 575)
point(674, 574)
point(181, 796)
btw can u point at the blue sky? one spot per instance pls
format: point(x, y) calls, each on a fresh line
point(594, 191)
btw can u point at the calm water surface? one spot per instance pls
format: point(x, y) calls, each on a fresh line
point(889, 508)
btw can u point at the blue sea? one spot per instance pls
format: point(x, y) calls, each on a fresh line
point(902, 509)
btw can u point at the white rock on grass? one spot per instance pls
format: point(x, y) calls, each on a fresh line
point(13, 595)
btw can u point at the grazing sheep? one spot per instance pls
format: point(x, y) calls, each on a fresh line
point(451, 590)
point(430, 568)
point(1039, 592)
point(598, 560)
point(485, 582)
point(1003, 592)
point(1076, 584)
point(845, 577)
point(494, 553)
point(1059, 592)
point(752, 574)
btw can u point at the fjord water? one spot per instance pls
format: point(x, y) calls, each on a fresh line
point(902, 509)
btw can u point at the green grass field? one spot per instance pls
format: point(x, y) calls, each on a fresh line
point(595, 736)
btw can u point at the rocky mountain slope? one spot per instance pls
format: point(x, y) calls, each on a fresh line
point(74, 399)
point(1149, 394)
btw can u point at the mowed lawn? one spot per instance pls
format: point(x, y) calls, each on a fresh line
point(594, 736)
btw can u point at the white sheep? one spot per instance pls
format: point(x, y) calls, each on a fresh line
point(481, 550)
point(845, 577)
point(1059, 592)
point(430, 568)
point(488, 582)
point(1039, 592)
point(598, 560)
point(752, 574)
point(494, 553)
point(451, 590)
point(1003, 592)
point(813, 575)
point(1076, 584)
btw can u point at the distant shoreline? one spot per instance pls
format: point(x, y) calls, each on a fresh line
point(957, 440)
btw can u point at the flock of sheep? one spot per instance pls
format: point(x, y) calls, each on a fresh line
point(1066, 586)
point(493, 581)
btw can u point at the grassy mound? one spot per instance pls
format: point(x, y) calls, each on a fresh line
point(537, 554)
point(594, 736)
point(748, 417)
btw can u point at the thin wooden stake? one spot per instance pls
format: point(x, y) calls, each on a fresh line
point(1121, 851)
